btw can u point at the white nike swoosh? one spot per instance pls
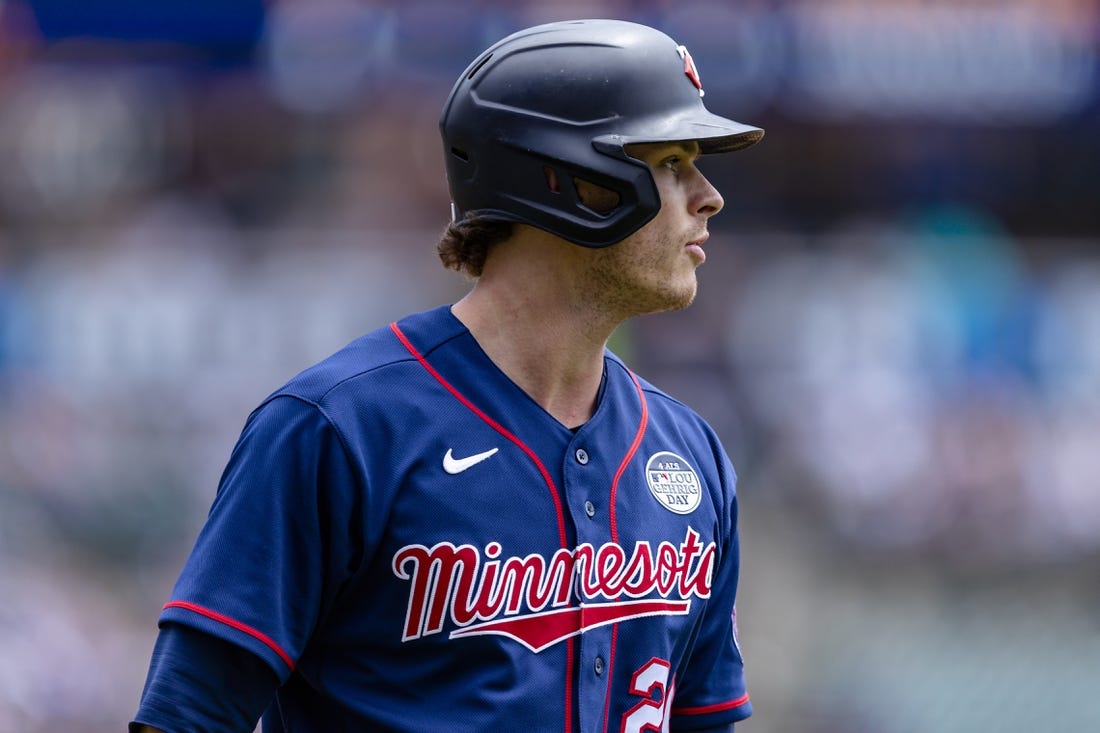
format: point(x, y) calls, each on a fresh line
point(454, 465)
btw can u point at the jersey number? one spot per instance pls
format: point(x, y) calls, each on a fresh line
point(651, 714)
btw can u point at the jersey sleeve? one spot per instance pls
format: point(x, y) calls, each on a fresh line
point(277, 540)
point(712, 689)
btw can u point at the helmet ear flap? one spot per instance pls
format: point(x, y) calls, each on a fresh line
point(596, 203)
point(597, 198)
point(593, 205)
point(592, 196)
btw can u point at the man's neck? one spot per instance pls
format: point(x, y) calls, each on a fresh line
point(552, 351)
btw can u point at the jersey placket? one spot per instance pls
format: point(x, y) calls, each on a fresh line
point(593, 463)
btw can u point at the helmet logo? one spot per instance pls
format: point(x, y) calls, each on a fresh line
point(689, 68)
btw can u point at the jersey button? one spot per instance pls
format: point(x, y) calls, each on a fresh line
point(590, 509)
point(598, 665)
point(581, 456)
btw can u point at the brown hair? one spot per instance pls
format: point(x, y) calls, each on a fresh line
point(465, 244)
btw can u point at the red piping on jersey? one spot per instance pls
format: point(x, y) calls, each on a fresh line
point(702, 710)
point(642, 424)
point(491, 423)
point(233, 623)
point(571, 644)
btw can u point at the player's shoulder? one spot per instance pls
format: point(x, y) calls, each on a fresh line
point(656, 398)
point(374, 362)
point(669, 417)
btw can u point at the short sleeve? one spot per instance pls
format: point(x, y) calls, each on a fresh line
point(276, 541)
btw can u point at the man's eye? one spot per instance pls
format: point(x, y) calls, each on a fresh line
point(673, 163)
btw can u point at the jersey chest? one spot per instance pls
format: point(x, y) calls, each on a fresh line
point(486, 531)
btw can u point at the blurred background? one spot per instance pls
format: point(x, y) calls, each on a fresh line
point(897, 333)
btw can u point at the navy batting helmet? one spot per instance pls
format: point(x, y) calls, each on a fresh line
point(557, 103)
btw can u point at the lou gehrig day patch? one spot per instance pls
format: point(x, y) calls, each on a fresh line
point(673, 482)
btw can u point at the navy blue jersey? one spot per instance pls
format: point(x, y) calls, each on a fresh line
point(402, 533)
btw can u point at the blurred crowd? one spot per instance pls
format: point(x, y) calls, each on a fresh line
point(897, 333)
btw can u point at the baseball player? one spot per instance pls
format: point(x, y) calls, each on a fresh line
point(477, 518)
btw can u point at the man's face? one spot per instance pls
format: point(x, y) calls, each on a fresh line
point(653, 269)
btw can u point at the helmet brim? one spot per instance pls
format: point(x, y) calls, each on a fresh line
point(714, 133)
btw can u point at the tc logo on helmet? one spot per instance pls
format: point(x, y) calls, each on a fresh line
point(689, 68)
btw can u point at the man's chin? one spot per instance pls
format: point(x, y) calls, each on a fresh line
point(674, 301)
